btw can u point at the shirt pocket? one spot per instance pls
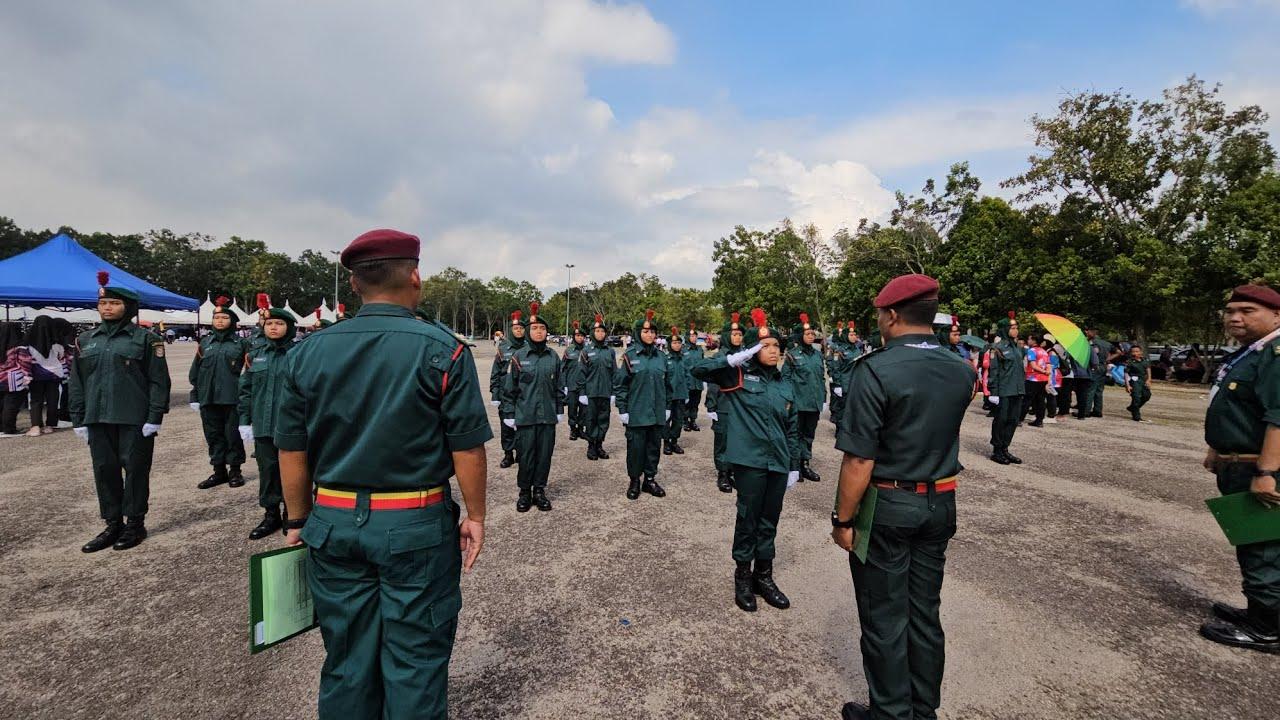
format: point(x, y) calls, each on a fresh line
point(128, 355)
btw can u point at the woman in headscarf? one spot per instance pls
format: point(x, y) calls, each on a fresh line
point(67, 336)
point(48, 370)
point(642, 393)
point(15, 374)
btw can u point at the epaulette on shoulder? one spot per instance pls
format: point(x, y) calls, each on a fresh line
point(865, 355)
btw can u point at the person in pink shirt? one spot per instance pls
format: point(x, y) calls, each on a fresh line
point(1037, 380)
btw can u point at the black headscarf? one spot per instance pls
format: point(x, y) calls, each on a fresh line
point(42, 335)
point(10, 337)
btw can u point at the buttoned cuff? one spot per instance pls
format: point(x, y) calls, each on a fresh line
point(469, 439)
point(293, 443)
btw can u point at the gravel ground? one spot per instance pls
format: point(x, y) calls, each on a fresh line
point(1074, 589)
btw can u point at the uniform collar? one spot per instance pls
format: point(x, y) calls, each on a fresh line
point(112, 327)
point(388, 309)
point(643, 349)
point(913, 339)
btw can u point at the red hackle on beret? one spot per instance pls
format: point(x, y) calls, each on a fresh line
point(104, 277)
point(1013, 315)
point(735, 317)
point(264, 301)
point(906, 288)
point(342, 309)
point(381, 244)
point(533, 308)
point(648, 315)
point(758, 318)
point(317, 313)
point(576, 325)
point(517, 315)
point(955, 321)
point(853, 325)
point(1260, 294)
point(839, 324)
point(599, 318)
point(222, 301)
point(804, 319)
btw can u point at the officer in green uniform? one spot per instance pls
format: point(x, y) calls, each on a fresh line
point(837, 363)
point(642, 392)
point(1006, 382)
point(535, 391)
point(595, 387)
point(259, 405)
point(765, 449)
point(513, 342)
point(803, 367)
point(1137, 381)
point(1242, 429)
point(678, 363)
point(215, 393)
point(692, 354)
point(119, 395)
point(730, 342)
point(569, 369)
point(376, 414)
point(902, 434)
point(1099, 351)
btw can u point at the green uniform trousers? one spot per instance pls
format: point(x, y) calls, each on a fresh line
point(270, 494)
point(222, 434)
point(808, 424)
point(691, 407)
point(117, 449)
point(898, 593)
point(597, 418)
point(534, 445)
point(506, 435)
point(719, 442)
point(1139, 397)
point(1005, 423)
point(837, 407)
point(1259, 562)
point(576, 413)
point(1095, 394)
point(644, 447)
point(1084, 396)
point(675, 423)
point(385, 586)
point(760, 495)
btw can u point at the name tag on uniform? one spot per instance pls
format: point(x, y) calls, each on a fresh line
point(752, 378)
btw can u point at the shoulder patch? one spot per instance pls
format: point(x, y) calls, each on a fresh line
point(158, 348)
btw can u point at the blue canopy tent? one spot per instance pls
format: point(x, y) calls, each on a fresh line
point(62, 273)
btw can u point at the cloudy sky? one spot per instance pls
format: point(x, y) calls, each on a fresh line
point(518, 136)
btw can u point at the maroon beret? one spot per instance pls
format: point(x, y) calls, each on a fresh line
point(906, 288)
point(1260, 294)
point(381, 245)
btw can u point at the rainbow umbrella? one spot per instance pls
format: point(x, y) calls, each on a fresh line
point(1066, 332)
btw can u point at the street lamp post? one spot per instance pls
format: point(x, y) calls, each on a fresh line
point(567, 289)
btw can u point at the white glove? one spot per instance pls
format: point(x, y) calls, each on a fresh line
point(715, 417)
point(82, 433)
point(994, 400)
point(793, 477)
point(246, 433)
point(624, 417)
point(149, 429)
point(560, 418)
point(839, 391)
point(704, 387)
point(582, 400)
point(495, 403)
point(740, 357)
point(826, 407)
point(509, 422)
point(668, 416)
point(613, 399)
point(566, 392)
point(194, 406)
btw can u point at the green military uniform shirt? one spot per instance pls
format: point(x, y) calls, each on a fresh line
point(712, 401)
point(261, 386)
point(1007, 374)
point(571, 367)
point(1245, 400)
point(759, 409)
point(120, 377)
point(533, 387)
point(380, 402)
point(215, 370)
point(598, 364)
point(804, 368)
point(903, 405)
point(1136, 370)
point(498, 373)
point(642, 387)
point(678, 374)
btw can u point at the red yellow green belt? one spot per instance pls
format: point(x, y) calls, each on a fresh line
point(920, 488)
point(381, 500)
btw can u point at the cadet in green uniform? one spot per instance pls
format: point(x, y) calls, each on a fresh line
point(258, 337)
point(595, 388)
point(215, 393)
point(535, 391)
point(837, 353)
point(902, 434)
point(376, 414)
point(569, 369)
point(642, 391)
point(1137, 381)
point(692, 353)
point(513, 342)
point(678, 376)
point(119, 395)
point(730, 342)
point(259, 406)
point(765, 450)
point(1099, 351)
point(1242, 429)
point(803, 367)
point(1006, 382)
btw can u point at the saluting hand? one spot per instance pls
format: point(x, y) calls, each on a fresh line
point(471, 539)
point(844, 537)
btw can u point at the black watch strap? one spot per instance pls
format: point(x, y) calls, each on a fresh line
point(836, 522)
point(295, 523)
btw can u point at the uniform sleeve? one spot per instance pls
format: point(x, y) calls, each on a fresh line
point(466, 424)
point(1267, 387)
point(794, 447)
point(865, 402)
point(291, 413)
point(715, 370)
point(562, 398)
point(496, 375)
point(158, 382)
point(622, 384)
point(510, 384)
point(244, 406)
point(75, 388)
point(193, 374)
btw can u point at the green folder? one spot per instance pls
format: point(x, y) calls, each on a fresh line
point(280, 604)
point(1244, 519)
point(862, 523)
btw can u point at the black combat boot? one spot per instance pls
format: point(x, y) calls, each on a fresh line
point(666, 447)
point(1258, 630)
point(573, 431)
point(675, 447)
point(808, 473)
point(1013, 459)
point(591, 450)
point(742, 594)
point(525, 501)
point(1230, 613)
point(999, 457)
point(633, 489)
point(722, 482)
point(855, 711)
point(218, 477)
point(540, 499)
point(694, 427)
point(600, 453)
point(235, 478)
point(105, 539)
point(762, 584)
point(652, 487)
point(132, 535)
point(508, 459)
point(271, 522)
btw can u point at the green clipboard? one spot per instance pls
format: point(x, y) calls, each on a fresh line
point(862, 523)
point(1244, 519)
point(280, 603)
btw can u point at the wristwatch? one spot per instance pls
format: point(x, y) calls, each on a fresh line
point(836, 522)
point(1259, 472)
point(295, 523)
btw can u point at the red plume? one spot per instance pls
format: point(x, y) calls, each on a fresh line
point(691, 328)
point(517, 315)
point(648, 315)
point(576, 325)
point(735, 317)
point(103, 278)
point(317, 313)
point(222, 301)
point(264, 301)
point(533, 308)
point(757, 318)
point(1013, 315)
point(599, 318)
point(342, 309)
point(675, 330)
point(839, 324)
point(853, 325)
point(804, 318)
point(955, 320)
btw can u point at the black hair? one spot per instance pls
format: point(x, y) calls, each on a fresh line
point(917, 312)
point(388, 274)
point(42, 336)
point(10, 337)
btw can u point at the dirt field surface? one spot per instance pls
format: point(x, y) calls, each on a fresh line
point(1074, 588)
